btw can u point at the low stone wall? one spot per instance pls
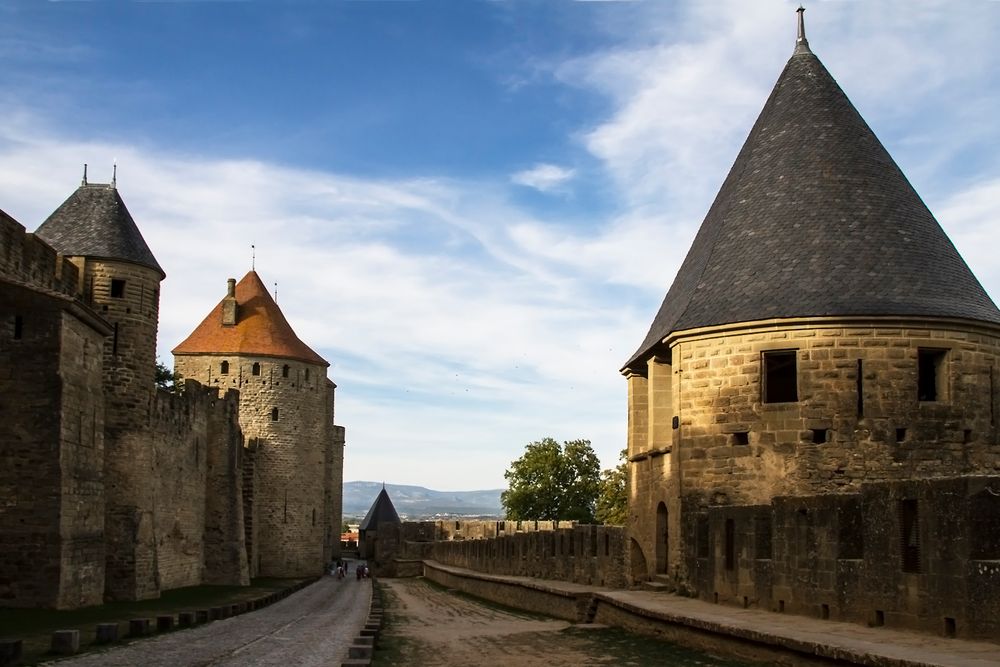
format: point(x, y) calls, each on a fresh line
point(591, 555)
point(527, 594)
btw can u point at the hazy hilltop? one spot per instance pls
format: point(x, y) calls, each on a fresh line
point(415, 502)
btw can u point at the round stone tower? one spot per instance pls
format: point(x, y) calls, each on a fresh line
point(822, 334)
point(293, 469)
point(120, 279)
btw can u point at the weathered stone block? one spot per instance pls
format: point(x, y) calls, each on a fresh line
point(106, 633)
point(164, 623)
point(139, 627)
point(65, 642)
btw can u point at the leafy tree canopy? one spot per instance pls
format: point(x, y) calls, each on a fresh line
point(165, 378)
point(553, 482)
point(612, 501)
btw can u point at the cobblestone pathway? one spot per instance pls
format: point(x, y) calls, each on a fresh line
point(310, 628)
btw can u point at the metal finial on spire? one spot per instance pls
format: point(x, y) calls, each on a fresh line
point(84, 182)
point(253, 257)
point(114, 174)
point(801, 43)
point(276, 292)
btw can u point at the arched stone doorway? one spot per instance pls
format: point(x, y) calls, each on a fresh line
point(661, 539)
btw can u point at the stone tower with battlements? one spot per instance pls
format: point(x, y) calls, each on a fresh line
point(119, 279)
point(293, 472)
point(812, 415)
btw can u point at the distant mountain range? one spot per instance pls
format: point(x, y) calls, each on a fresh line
point(417, 502)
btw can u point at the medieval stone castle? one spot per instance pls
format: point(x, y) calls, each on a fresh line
point(812, 417)
point(114, 489)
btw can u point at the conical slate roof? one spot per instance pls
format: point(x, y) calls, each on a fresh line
point(816, 219)
point(94, 222)
point(381, 510)
point(260, 330)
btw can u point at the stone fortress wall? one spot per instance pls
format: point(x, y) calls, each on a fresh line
point(862, 497)
point(562, 550)
point(286, 413)
point(114, 489)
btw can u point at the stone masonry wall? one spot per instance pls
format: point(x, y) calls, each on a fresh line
point(34, 426)
point(921, 554)
point(290, 458)
point(583, 554)
point(27, 259)
point(81, 462)
point(857, 419)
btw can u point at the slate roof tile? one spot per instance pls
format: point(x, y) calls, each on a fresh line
point(815, 219)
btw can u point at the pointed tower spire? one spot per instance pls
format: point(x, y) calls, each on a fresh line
point(801, 43)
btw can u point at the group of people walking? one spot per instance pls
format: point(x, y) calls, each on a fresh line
point(340, 569)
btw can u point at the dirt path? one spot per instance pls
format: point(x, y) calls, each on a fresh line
point(430, 626)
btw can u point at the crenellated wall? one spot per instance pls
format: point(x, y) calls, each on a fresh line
point(286, 413)
point(548, 550)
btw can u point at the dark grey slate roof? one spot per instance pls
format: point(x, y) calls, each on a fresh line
point(381, 510)
point(815, 219)
point(94, 222)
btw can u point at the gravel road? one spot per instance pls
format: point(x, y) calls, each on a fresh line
point(313, 627)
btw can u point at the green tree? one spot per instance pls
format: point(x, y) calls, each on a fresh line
point(165, 378)
point(553, 482)
point(612, 501)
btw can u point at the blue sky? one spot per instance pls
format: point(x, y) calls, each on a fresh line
point(471, 209)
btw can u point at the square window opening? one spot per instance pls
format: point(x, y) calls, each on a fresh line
point(741, 438)
point(900, 434)
point(780, 376)
point(117, 288)
point(820, 435)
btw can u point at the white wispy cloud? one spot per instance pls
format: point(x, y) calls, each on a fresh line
point(544, 177)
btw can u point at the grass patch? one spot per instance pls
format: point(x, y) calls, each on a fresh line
point(35, 626)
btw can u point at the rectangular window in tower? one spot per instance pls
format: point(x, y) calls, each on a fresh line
point(117, 288)
point(18, 327)
point(779, 377)
point(931, 379)
point(274, 414)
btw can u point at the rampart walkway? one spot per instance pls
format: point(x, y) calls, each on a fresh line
point(312, 627)
point(702, 624)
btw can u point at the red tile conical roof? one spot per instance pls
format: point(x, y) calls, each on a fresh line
point(260, 330)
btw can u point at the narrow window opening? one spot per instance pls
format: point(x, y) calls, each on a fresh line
point(780, 377)
point(307, 375)
point(730, 544)
point(255, 369)
point(993, 400)
point(18, 327)
point(274, 414)
point(966, 436)
point(117, 288)
point(741, 438)
point(781, 606)
point(746, 602)
point(930, 375)
point(284, 371)
point(607, 544)
point(702, 534)
point(879, 619)
point(675, 422)
point(900, 434)
point(224, 368)
point(819, 435)
point(860, 384)
point(824, 612)
point(949, 627)
point(909, 535)
point(314, 517)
